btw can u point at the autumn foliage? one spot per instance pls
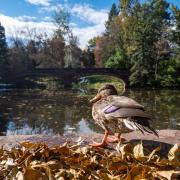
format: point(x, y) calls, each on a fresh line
point(38, 161)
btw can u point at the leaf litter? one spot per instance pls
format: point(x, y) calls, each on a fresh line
point(33, 161)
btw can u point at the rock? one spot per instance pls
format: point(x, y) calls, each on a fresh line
point(166, 139)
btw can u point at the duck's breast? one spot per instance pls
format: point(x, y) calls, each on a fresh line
point(98, 113)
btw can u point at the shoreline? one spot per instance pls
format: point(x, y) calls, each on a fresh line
point(167, 138)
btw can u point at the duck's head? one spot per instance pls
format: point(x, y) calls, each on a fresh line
point(104, 92)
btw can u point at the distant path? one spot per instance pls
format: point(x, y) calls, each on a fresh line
point(166, 137)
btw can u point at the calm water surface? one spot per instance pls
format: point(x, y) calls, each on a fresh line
point(62, 112)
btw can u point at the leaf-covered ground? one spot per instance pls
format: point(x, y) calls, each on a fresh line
point(33, 161)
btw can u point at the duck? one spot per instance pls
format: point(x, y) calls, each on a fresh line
point(118, 114)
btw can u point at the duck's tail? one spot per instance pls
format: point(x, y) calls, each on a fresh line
point(142, 124)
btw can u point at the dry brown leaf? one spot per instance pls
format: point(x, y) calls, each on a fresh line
point(1, 151)
point(153, 153)
point(104, 175)
point(174, 153)
point(53, 164)
point(139, 152)
point(34, 161)
point(13, 173)
point(64, 150)
point(138, 172)
point(168, 174)
point(124, 150)
point(117, 166)
point(34, 174)
point(28, 144)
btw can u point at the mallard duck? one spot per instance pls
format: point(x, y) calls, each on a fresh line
point(118, 114)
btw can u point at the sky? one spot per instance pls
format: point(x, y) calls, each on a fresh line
point(87, 16)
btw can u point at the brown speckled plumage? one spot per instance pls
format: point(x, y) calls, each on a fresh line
point(127, 116)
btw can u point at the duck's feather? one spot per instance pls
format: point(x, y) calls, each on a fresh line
point(139, 123)
point(111, 109)
point(123, 113)
point(117, 112)
point(123, 102)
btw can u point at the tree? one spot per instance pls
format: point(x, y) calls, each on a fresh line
point(176, 31)
point(18, 58)
point(126, 6)
point(92, 42)
point(62, 20)
point(143, 38)
point(99, 54)
point(72, 56)
point(168, 69)
point(116, 60)
point(152, 25)
point(3, 48)
point(113, 13)
point(64, 31)
point(87, 58)
point(34, 46)
point(56, 52)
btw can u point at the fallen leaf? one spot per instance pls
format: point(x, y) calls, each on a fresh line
point(153, 153)
point(173, 153)
point(33, 174)
point(169, 174)
point(139, 152)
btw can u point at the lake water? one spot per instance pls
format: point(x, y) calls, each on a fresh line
point(63, 112)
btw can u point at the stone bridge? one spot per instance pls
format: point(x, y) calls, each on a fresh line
point(69, 75)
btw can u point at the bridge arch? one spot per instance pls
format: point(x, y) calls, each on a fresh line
point(69, 75)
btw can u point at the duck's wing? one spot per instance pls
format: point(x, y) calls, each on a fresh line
point(122, 106)
point(113, 111)
point(133, 114)
point(134, 119)
point(124, 102)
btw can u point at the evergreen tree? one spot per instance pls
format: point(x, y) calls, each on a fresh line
point(3, 47)
point(113, 13)
point(176, 32)
point(168, 69)
point(145, 38)
point(126, 7)
point(152, 24)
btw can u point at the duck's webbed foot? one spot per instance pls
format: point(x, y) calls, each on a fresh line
point(106, 140)
point(115, 139)
point(103, 142)
point(96, 144)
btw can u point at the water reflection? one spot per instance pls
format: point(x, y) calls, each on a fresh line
point(62, 112)
point(164, 105)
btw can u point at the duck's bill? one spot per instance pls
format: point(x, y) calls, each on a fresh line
point(95, 99)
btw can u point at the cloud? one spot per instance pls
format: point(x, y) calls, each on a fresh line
point(51, 8)
point(86, 13)
point(25, 18)
point(96, 18)
point(86, 33)
point(47, 19)
point(82, 11)
point(13, 25)
point(39, 2)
